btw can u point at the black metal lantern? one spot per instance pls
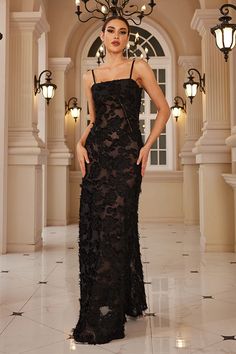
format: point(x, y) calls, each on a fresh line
point(73, 108)
point(179, 107)
point(101, 9)
point(191, 86)
point(225, 32)
point(48, 88)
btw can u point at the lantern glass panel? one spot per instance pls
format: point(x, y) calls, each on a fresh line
point(234, 39)
point(75, 112)
point(228, 37)
point(191, 90)
point(176, 111)
point(219, 38)
point(48, 91)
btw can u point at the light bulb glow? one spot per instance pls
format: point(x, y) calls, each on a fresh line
point(104, 9)
point(228, 37)
point(219, 38)
point(48, 91)
point(176, 111)
point(143, 8)
point(191, 90)
point(180, 342)
point(75, 112)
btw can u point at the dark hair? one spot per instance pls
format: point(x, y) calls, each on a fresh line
point(115, 18)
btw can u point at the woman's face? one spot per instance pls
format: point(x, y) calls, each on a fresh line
point(115, 36)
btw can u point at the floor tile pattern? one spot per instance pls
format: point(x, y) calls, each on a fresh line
point(191, 297)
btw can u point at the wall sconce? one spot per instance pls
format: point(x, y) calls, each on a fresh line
point(48, 89)
point(1, 36)
point(225, 32)
point(74, 109)
point(178, 107)
point(192, 86)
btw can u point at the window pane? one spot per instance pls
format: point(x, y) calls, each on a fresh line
point(154, 158)
point(162, 157)
point(163, 87)
point(162, 75)
point(156, 45)
point(155, 73)
point(141, 125)
point(154, 145)
point(142, 106)
point(162, 141)
point(153, 108)
point(142, 129)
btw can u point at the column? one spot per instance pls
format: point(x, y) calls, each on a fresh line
point(230, 178)
point(26, 150)
point(60, 156)
point(4, 20)
point(213, 155)
point(188, 159)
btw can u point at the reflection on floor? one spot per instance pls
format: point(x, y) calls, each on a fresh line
point(191, 297)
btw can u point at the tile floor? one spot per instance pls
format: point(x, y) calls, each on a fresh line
point(192, 294)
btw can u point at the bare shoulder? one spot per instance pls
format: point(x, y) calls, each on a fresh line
point(141, 65)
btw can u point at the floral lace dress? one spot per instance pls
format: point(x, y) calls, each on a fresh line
point(111, 274)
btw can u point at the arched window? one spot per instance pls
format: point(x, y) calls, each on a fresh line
point(162, 152)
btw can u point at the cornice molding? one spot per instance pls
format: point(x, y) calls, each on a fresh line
point(203, 20)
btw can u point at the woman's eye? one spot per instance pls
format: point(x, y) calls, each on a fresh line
point(110, 30)
point(123, 32)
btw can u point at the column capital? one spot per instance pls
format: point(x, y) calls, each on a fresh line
point(230, 179)
point(29, 21)
point(188, 61)
point(204, 19)
point(60, 64)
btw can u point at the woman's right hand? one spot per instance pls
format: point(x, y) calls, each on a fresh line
point(82, 157)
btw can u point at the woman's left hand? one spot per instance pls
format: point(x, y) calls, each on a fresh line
point(143, 157)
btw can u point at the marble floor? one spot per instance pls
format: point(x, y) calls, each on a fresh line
point(191, 297)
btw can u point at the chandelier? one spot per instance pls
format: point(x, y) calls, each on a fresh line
point(101, 9)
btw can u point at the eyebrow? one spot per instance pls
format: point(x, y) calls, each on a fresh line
point(122, 28)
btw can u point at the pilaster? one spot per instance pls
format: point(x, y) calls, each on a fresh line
point(188, 159)
point(60, 156)
point(4, 59)
point(213, 155)
point(26, 151)
point(211, 147)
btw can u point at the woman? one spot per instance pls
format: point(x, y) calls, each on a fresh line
point(113, 159)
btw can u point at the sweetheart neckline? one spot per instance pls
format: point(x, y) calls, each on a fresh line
point(109, 81)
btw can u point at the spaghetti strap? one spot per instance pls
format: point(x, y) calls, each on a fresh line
point(93, 77)
point(131, 70)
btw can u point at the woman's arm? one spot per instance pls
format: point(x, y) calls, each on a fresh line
point(87, 85)
point(147, 79)
point(82, 153)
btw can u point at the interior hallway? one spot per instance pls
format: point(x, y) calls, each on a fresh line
point(191, 293)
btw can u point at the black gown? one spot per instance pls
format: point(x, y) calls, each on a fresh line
point(111, 274)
